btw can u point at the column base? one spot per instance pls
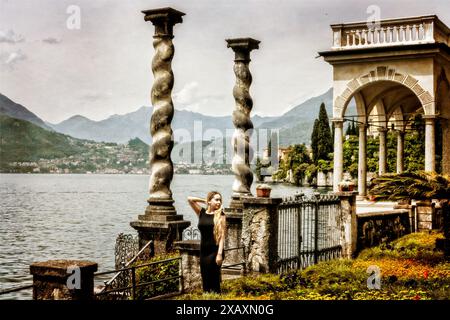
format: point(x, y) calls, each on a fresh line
point(236, 201)
point(164, 234)
point(160, 223)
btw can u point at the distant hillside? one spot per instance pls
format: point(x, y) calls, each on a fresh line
point(14, 110)
point(24, 141)
point(122, 128)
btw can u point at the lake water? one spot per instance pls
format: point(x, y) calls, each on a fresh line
point(47, 216)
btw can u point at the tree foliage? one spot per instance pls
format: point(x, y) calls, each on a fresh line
point(411, 185)
point(298, 161)
point(321, 139)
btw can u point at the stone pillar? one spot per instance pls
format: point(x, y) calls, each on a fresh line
point(430, 147)
point(260, 233)
point(349, 231)
point(241, 119)
point(425, 213)
point(233, 239)
point(362, 161)
point(400, 149)
point(190, 261)
point(338, 169)
point(382, 151)
point(160, 221)
point(63, 280)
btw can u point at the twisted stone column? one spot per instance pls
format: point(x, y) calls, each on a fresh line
point(160, 127)
point(160, 221)
point(241, 116)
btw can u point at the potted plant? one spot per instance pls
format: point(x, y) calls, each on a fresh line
point(263, 191)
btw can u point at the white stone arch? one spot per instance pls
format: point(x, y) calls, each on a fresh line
point(382, 73)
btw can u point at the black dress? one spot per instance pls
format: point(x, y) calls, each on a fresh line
point(208, 251)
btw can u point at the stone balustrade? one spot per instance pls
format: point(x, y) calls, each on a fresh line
point(417, 30)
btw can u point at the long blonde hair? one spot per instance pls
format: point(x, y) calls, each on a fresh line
point(219, 218)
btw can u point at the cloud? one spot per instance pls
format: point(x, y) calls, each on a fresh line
point(188, 95)
point(10, 59)
point(11, 37)
point(51, 40)
point(92, 96)
point(190, 98)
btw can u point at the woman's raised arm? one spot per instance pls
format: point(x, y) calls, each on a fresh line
point(193, 202)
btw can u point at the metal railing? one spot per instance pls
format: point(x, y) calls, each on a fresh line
point(130, 291)
point(308, 231)
point(5, 292)
point(235, 266)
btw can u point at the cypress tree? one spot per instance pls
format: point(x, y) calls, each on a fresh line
point(314, 140)
point(324, 140)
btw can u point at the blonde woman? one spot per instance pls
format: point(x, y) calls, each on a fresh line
point(212, 226)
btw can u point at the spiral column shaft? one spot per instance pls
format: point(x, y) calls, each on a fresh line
point(241, 115)
point(161, 165)
point(160, 222)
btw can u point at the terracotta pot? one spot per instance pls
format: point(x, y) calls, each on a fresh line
point(263, 191)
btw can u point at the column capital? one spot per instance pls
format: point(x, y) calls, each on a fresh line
point(430, 118)
point(382, 129)
point(362, 126)
point(337, 122)
point(242, 47)
point(163, 19)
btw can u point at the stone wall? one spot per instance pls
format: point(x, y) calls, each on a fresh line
point(190, 261)
point(375, 228)
point(259, 233)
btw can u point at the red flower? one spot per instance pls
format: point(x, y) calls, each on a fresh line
point(425, 274)
point(417, 297)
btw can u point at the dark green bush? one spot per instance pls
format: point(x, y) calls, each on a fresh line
point(156, 272)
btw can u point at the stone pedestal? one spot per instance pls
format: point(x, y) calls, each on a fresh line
point(190, 261)
point(349, 233)
point(160, 225)
point(259, 233)
point(63, 280)
point(236, 204)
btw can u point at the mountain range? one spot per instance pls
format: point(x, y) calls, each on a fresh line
point(14, 110)
point(295, 126)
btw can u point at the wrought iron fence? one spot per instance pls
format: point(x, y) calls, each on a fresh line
point(191, 233)
point(308, 231)
point(239, 260)
point(145, 281)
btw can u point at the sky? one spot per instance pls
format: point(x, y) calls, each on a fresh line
point(61, 58)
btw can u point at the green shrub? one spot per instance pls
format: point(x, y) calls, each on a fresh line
point(156, 272)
